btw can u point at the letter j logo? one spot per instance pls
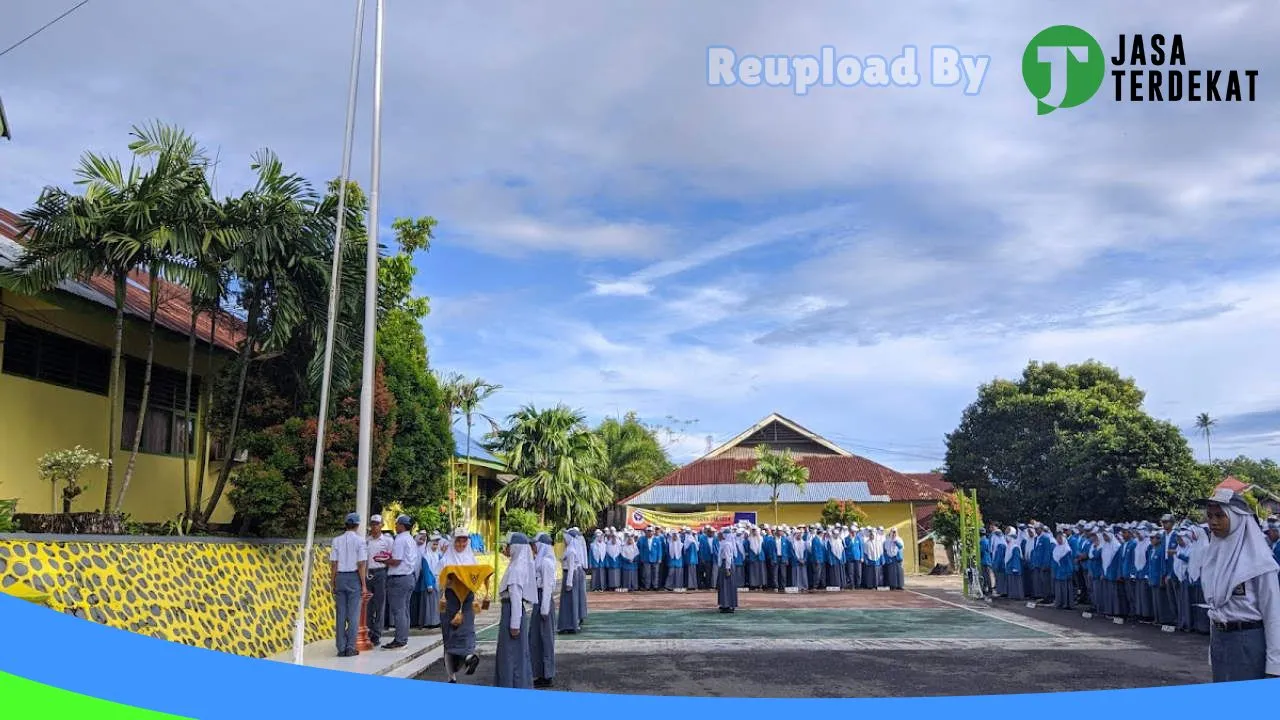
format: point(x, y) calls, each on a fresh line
point(1063, 67)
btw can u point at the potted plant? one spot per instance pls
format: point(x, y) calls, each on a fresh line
point(64, 467)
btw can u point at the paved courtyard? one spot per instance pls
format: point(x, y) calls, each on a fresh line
point(925, 641)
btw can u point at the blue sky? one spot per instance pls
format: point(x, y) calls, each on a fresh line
point(617, 235)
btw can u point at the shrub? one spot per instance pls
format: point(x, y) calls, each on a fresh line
point(843, 512)
point(521, 521)
point(64, 467)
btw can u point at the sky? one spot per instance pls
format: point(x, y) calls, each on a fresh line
point(616, 234)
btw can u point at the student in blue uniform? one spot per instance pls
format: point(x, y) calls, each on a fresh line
point(596, 562)
point(755, 559)
point(706, 559)
point(999, 552)
point(1013, 567)
point(1063, 560)
point(835, 560)
point(691, 559)
point(1195, 582)
point(1273, 537)
point(798, 561)
point(893, 546)
point(642, 548)
point(858, 555)
point(1155, 573)
point(652, 558)
point(1240, 588)
point(612, 562)
point(1141, 609)
point(770, 554)
point(675, 562)
point(630, 561)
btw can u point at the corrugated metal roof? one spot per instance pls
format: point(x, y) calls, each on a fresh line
point(741, 494)
point(476, 452)
point(173, 313)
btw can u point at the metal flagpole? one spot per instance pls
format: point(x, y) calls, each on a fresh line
point(300, 624)
point(364, 468)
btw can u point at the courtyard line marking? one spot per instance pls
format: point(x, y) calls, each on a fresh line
point(1043, 627)
point(669, 647)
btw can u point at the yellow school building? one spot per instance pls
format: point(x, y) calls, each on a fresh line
point(55, 366)
point(889, 498)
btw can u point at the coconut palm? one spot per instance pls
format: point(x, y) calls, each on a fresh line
point(470, 394)
point(1205, 424)
point(633, 457)
point(554, 456)
point(775, 470)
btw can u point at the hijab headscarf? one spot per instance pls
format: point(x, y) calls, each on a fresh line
point(1199, 543)
point(1109, 549)
point(1140, 551)
point(630, 551)
point(755, 541)
point(1235, 559)
point(891, 543)
point(799, 546)
point(1062, 549)
point(676, 547)
point(453, 557)
point(520, 571)
point(598, 547)
point(728, 550)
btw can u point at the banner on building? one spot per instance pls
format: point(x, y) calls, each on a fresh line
point(746, 517)
point(639, 519)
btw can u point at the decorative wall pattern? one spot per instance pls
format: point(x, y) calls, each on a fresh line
point(236, 597)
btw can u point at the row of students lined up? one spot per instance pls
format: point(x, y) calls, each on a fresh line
point(807, 558)
point(1220, 578)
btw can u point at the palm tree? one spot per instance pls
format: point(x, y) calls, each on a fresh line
point(775, 470)
point(281, 246)
point(450, 400)
point(471, 394)
point(633, 457)
point(554, 456)
point(167, 221)
point(1205, 424)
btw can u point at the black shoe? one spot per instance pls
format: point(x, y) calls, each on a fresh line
point(453, 681)
point(473, 661)
point(394, 645)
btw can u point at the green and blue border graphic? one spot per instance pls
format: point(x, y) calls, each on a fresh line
point(55, 665)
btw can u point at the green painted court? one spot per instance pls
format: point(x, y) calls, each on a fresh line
point(794, 624)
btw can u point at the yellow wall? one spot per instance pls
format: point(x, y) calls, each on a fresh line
point(887, 515)
point(234, 597)
point(37, 417)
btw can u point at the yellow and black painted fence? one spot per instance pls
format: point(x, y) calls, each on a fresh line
point(233, 596)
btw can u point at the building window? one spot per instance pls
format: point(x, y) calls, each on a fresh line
point(167, 427)
point(55, 359)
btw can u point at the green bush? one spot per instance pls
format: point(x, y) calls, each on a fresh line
point(521, 521)
point(6, 516)
point(429, 519)
point(843, 512)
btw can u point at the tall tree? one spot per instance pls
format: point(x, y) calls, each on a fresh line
point(633, 457)
point(554, 455)
point(776, 471)
point(1205, 424)
point(471, 395)
point(1070, 442)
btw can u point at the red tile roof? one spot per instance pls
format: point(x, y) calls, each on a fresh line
point(933, 480)
point(880, 480)
point(1234, 484)
point(174, 312)
point(924, 519)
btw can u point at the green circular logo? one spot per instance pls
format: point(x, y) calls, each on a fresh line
point(1063, 67)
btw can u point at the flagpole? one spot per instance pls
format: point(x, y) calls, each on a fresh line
point(300, 623)
point(364, 468)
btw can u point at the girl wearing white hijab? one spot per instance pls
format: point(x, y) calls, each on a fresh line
point(1110, 594)
point(798, 560)
point(1239, 578)
point(1064, 594)
point(599, 551)
point(542, 634)
point(1182, 593)
point(518, 589)
point(460, 638)
point(727, 587)
point(755, 559)
point(613, 563)
point(675, 563)
point(580, 581)
point(569, 618)
point(630, 555)
point(894, 575)
point(1013, 565)
point(999, 549)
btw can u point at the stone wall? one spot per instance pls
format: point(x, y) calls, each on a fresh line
point(233, 596)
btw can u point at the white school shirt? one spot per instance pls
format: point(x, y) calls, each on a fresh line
point(1259, 603)
point(348, 551)
point(382, 543)
point(404, 549)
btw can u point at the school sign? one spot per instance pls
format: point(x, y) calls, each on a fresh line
point(640, 519)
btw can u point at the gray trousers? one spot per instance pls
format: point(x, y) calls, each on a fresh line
point(346, 599)
point(1238, 655)
point(376, 616)
point(399, 590)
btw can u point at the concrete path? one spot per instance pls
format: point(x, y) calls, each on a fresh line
point(424, 649)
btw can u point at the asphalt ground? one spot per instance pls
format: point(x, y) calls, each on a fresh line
point(926, 641)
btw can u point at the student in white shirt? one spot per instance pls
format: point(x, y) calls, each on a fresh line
point(401, 567)
point(347, 561)
point(1239, 580)
point(379, 546)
